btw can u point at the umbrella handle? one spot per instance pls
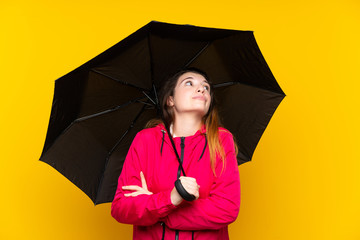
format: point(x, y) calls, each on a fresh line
point(183, 193)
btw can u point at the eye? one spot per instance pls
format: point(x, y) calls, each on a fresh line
point(207, 88)
point(188, 83)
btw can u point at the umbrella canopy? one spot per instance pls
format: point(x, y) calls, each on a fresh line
point(99, 107)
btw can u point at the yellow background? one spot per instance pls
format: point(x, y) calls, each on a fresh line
point(303, 182)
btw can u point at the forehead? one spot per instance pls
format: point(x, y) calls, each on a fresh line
point(192, 75)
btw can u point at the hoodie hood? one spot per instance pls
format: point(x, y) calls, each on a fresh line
point(198, 136)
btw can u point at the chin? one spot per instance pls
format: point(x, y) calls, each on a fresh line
point(202, 113)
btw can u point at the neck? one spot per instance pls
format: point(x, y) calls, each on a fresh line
point(185, 126)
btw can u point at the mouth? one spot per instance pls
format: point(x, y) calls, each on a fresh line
point(202, 98)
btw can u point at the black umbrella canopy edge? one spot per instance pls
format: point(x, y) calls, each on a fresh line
point(244, 157)
point(275, 87)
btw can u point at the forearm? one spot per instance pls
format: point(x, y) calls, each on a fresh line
point(210, 213)
point(141, 210)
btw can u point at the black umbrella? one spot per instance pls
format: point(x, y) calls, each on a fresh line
point(99, 107)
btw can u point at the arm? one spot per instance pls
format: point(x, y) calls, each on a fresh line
point(143, 209)
point(222, 205)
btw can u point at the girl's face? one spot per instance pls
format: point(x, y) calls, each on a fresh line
point(191, 94)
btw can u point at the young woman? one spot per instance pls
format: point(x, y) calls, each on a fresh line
point(146, 196)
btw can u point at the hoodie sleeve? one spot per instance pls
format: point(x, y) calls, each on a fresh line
point(143, 209)
point(222, 205)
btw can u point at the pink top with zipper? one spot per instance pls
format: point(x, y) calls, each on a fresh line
point(154, 215)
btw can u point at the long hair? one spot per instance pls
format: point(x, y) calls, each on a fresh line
point(210, 119)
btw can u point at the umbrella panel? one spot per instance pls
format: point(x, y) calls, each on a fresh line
point(131, 67)
point(102, 94)
point(249, 122)
point(114, 166)
point(82, 152)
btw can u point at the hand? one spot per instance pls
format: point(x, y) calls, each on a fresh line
point(137, 190)
point(190, 186)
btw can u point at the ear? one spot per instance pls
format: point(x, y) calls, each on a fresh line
point(170, 101)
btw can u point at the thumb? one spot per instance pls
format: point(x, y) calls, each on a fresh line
point(143, 181)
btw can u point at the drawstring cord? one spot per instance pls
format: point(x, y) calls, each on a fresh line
point(162, 142)
point(204, 147)
point(163, 139)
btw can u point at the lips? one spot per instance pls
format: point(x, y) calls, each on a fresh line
point(199, 98)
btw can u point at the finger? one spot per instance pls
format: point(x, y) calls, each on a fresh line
point(189, 183)
point(192, 191)
point(137, 193)
point(133, 194)
point(191, 187)
point(131, 187)
point(188, 180)
point(143, 181)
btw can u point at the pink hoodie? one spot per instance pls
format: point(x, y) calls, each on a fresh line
point(154, 216)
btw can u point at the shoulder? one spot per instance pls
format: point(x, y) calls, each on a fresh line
point(224, 133)
point(226, 138)
point(149, 133)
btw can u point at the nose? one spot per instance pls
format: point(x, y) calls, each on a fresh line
point(201, 89)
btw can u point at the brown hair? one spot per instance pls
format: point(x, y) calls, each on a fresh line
point(211, 118)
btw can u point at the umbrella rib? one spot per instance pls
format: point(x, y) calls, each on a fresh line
point(145, 103)
point(151, 58)
point(113, 148)
point(226, 84)
point(117, 80)
point(109, 110)
point(126, 132)
point(156, 96)
point(201, 50)
point(149, 97)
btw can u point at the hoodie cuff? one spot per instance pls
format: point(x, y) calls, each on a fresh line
point(165, 206)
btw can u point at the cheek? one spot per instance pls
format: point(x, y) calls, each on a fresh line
point(208, 107)
point(182, 96)
point(209, 97)
point(209, 103)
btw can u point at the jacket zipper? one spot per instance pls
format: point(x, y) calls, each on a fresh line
point(182, 147)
